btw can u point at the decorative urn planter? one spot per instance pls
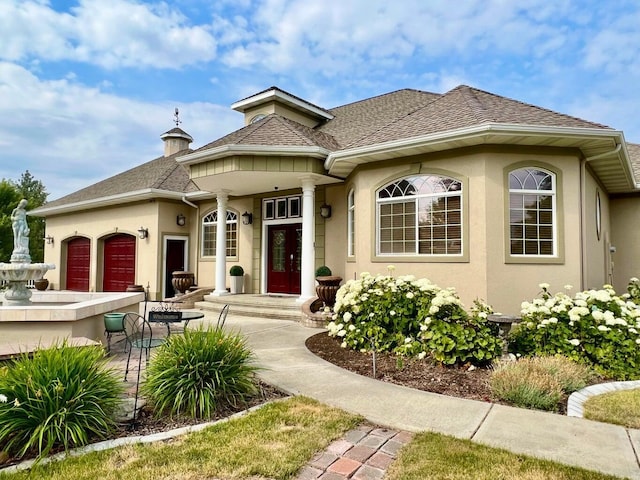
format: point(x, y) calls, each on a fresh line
point(41, 284)
point(327, 288)
point(237, 279)
point(182, 281)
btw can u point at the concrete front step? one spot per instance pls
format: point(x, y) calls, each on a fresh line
point(255, 306)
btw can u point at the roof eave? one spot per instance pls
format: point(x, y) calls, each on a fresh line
point(128, 197)
point(341, 163)
point(272, 95)
point(263, 150)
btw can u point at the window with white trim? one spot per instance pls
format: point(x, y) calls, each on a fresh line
point(420, 215)
point(209, 229)
point(351, 224)
point(532, 212)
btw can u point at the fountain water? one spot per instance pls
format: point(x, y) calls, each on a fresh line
point(21, 270)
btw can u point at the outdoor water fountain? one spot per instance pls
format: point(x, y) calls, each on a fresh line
point(21, 270)
point(28, 320)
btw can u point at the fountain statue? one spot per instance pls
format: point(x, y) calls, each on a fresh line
point(21, 270)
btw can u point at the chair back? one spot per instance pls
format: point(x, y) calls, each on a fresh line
point(137, 330)
point(223, 316)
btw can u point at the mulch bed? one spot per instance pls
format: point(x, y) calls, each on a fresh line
point(464, 381)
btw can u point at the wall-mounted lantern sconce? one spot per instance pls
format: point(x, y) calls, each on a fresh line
point(325, 211)
point(143, 233)
point(247, 218)
point(181, 220)
point(48, 239)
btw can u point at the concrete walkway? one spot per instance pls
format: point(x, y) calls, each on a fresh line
point(280, 350)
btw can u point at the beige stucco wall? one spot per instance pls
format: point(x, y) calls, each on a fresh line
point(597, 264)
point(625, 221)
point(206, 270)
point(482, 271)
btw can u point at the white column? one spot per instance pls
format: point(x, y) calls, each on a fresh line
point(221, 245)
point(307, 280)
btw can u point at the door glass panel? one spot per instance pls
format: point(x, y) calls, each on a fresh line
point(278, 252)
point(298, 266)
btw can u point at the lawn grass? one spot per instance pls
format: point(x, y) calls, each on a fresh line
point(273, 442)
point(434, 456)
point(276, 441)
point(621, 407)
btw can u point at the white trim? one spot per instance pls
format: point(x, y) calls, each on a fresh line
point(266, 150)
point(272, 95)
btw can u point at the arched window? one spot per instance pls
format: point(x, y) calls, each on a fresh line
point(209, 224)
point(420, 215)
point(351, 224)
point(532, 212)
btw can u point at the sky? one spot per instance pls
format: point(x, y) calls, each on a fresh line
point(88, 86)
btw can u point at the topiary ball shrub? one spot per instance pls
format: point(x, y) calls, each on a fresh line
point(323, 271)
point(192, 374)
point(62, 396)
point(595, 327)
point(413, 317)
point(236, 271)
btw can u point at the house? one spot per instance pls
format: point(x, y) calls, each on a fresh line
point(472, 190)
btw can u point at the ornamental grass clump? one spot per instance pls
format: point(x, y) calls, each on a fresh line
point(62, 396)
point(538, 382)
point(596, 327)
point(193, 374)
point(412, 317)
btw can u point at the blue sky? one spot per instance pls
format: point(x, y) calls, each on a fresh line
point(88, 86)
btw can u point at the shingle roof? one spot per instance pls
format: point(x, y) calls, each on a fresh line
point(359, 119)
point(466, 107)
point(275, 130)
point(163, 173)
point(634, 156)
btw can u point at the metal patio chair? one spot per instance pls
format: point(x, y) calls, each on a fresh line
point(139, 336)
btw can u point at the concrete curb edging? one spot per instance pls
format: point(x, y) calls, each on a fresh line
point(577, 399)
point(119, 442)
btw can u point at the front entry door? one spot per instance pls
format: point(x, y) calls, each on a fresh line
point(285, 248)
point(175, 262)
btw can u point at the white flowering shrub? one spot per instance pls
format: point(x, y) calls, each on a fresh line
point(595, 327)
point(412, 317)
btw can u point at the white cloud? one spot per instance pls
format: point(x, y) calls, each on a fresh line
point(110, 34)
point(70, 135)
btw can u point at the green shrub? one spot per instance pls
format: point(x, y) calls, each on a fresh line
point(192, 374)
point(595, 327)
point(323, 271)
point(61, 396)
point(413, 318)
point(538, 382)
point(236, 271)
point(633, 290)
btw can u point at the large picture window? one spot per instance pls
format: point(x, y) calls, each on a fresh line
point(532, 212)
point(420, 215)
point(209, 228)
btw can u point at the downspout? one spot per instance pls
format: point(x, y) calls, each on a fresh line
point(197, 247)
point(583, 219)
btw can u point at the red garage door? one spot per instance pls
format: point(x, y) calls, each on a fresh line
point(78, 257)
point(119, 263)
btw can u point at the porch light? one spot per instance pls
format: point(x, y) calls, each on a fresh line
point(143, 233)
point(247, 218)
point(48, 239)
point(325, 211)
point(181, 220)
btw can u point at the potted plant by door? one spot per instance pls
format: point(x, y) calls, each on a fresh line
point(237, 279)
point(41, 284)
point(328, 285)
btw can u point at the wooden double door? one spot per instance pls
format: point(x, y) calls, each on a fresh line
point(284, 258)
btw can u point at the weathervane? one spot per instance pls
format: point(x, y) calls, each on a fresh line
point(176, 117)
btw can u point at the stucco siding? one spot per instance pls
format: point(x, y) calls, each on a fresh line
point(625, 236)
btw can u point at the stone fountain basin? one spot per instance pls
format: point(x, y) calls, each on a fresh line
point(63, 314)
point(23, 272)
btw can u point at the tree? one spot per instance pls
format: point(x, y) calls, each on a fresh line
point(36, 194)
point(10, 194)
point(9, 198)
